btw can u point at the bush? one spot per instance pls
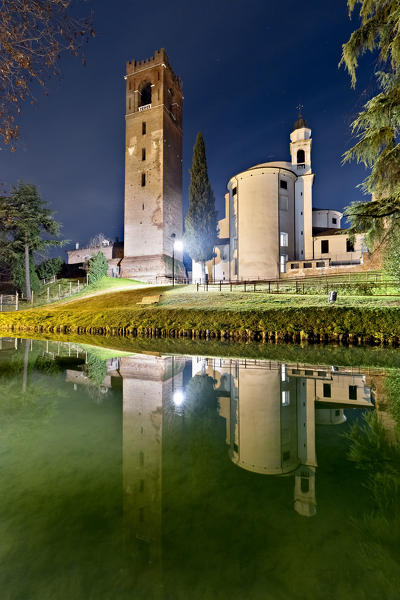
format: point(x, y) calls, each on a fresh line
point(98, 267)
point(50, 268)
point(18, 275)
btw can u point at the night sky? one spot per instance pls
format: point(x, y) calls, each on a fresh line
point(245, 66)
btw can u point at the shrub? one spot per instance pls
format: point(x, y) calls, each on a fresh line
point(50, 267)
point(98, 267)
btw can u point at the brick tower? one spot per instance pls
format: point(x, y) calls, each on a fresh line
point(153, 169)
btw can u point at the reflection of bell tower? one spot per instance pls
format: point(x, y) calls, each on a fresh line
point(153, 167)
point(148, 383)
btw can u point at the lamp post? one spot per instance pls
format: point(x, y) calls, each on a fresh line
point(177, 245)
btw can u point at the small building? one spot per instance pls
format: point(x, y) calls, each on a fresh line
point(271, 229)
point(113, 251)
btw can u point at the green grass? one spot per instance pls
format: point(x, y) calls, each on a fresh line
point(182, 308)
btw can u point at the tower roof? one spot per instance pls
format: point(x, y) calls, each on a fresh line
point(300, 123)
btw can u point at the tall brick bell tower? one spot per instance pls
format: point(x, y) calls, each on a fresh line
point(153, 169)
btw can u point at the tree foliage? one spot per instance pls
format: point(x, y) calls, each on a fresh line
point(201, 229)
point(33, 34)
point(98, 267)
point(50, 267)
point(26, 222)
point(377, 126)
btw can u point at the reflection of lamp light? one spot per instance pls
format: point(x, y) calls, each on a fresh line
point(178, 398)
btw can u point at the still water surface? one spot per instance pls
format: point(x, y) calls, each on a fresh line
point(185, 477)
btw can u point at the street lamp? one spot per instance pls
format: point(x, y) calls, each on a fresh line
point(178, 246)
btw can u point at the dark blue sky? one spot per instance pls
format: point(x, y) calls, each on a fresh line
point(245, 66)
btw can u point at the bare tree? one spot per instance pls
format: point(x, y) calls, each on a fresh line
point(33, 34)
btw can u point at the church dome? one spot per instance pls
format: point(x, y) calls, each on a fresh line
point(300, 123)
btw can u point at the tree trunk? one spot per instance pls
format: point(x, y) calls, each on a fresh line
point(27, 273)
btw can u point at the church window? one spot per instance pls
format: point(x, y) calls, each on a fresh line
point(143, 181)
point(143, 153)
point(145, 95)
point(284, 238)
point(352, 392)
point(349, 245)
point(301, 158)
point(143, 127)
point(324, 246)
point(327, 390)
point(334, 221)
point(283, 184)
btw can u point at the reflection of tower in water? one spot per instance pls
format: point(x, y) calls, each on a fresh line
point(271, 411)
point(148, 384)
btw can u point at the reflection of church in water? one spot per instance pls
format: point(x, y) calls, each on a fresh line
point(270, 410)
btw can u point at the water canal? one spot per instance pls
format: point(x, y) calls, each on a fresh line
point(141, 475)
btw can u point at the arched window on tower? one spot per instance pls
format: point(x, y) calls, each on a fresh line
point(145, 95)
point(301, 158)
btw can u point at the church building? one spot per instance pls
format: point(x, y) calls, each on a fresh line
point(271, 229)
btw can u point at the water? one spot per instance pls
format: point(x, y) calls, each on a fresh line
point(141, 476)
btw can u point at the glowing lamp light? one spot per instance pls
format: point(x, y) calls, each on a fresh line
point(178, 398)
point(178, 245)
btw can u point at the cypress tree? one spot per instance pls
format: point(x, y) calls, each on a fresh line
point(201, 228)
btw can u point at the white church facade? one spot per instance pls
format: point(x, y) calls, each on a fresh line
point(271, 229)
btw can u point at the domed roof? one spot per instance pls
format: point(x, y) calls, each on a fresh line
point(300, 123)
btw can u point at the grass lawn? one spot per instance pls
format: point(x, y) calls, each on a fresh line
point(116, 303)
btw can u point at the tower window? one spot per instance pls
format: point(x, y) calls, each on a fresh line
point(301, 157)
point(145, 95)
point(349, 245)
point(283, 184)
point(143, 153)
point(129, 103)
point(334, 221)
point(143, 127)
point(143, 180)
point(234, 191)
point(284, 239)
point(324, 247)
point(327, 390)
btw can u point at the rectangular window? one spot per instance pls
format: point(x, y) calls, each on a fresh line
point(283, 184)
point(307, 265)
point(129, 103)
point(143, 153)
point(309, 372)
point(320, 265)
point(327, 390)
point(294, 266)
point(143, 127)
point(352, 392)
point(234, 191)
point(143, 179)
point(284, 239)
point(283, 263)
point(285, 398)
point(321, 374)
point(324, 247)
point(349, 245)
point(334, 221)
point(284, 203)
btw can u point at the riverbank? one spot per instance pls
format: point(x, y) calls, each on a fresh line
point(183, 312)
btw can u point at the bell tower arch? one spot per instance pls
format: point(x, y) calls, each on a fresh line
point(153, 169)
